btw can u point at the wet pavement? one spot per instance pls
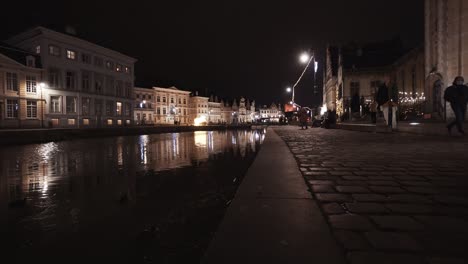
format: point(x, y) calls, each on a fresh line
point(388, 198)
point(136, 199)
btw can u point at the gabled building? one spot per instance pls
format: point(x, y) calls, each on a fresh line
point(172, 106)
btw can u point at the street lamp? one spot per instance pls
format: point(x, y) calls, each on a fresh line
point(304, 58)
point(288, 89)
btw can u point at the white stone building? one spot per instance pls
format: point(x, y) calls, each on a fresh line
point(214, 111)
point(271, 114)
point(172, 106)
point(86, 85)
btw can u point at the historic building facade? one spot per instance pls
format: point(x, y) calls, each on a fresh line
point(214, 111)
point(446, 49)
point(198, 110)
point(172, 105)
point(271, 114)
point(144, 112)
point(86, 85)
point(21, 104)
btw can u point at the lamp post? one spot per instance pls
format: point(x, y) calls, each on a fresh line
point(304, 58)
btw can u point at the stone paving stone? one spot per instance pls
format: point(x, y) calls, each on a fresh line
point(352, 189)
point(327, 178)
point(340, 173)
point(383, 183)
point(318, 169)
point(320, 182)
point(386, 189)
point(333, 208)
point(373, 257)
point(303, 169)
point(409, 198)
point(351, 240)
point(392, 173)
point(332, 197)
point(354, 178)
point(439, 260)
point(314, 173)
point(392, 241)
point(365, 173)
point(446, 223)
point(409, 178)
point(448, 199)
point(351, 183)
point(411, 208)
point(450, 183)
point(323, 189)
point(382, 178)
point(371, 197)
point(421, 173)
point(423, 190)
point(396, 222)
point(350, 222)
point(416, 183)
point(359, 208)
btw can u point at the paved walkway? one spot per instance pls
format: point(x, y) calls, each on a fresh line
point(273, 217)
point(388, 198)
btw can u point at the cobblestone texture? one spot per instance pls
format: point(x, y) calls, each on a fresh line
point(389, 198)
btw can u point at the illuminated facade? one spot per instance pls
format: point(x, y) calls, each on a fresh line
point(198, 110)
point(20, 93)
point(271, 114)
point(86, 85)
point(144, 112)
point(172, 106)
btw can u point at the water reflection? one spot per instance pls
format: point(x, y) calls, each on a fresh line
point(68, 186)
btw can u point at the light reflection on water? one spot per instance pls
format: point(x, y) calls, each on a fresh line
point(68, 183)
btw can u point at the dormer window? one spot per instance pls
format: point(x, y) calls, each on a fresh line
point(31, 61)
point(38, 49)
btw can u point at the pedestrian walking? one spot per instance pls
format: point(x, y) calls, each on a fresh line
point(303, 117)
point(457, 96)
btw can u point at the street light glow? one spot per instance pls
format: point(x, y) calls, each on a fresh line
point(288, 89)
point(304, 58)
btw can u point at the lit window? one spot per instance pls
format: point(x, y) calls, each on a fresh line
point(119, 108)
point(118, 67)
point(55, 106)
point(127, 69)
point(86, 122)
point(128, 121)
point(38, 49)
point(31, 109)
point(119, 122)
point(71, 121)
point(31, 86)
point(12, 108)
point(54, 122)
point(109, 122)
point(71, 55)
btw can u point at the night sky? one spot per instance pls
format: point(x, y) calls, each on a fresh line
point(231, 48)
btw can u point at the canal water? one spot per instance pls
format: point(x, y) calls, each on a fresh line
point(138, 199)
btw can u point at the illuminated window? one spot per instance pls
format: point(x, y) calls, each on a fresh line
point(54, 121)
point(128, 121)
point(38, 49)
point(119, 122)
point(118, 67)
point(119, 108)
point(127, 69)
point(31, 109)
point(109, 122)
point(55, 106)
point(31, 86)
point(71, 122)
point(12, 108)
point(71, 55)
point(86, 122)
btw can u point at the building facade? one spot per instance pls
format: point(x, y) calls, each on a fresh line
point(21, 105)
point(214, 111)
point(198, 110)
point(272, 114)
point(446, 49)
point(172, 106)
point(144, 112)
point(86, 85)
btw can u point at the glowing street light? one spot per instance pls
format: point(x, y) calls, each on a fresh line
point(288, 89)
point(304, 58)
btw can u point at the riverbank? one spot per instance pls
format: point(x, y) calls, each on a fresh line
point(29, 136)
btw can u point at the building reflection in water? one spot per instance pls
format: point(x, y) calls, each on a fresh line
point(86, 172)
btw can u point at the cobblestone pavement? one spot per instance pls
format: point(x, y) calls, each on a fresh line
point(388, 198)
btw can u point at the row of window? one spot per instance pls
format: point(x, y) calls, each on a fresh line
point(91, 82)
point(86, 121)
point(12, 108)
point(111, 107)
point(164, 99)
point(86, 58)
point(172, 111)
point(12, 83)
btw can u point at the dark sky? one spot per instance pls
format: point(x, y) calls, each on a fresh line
point(233, 48)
